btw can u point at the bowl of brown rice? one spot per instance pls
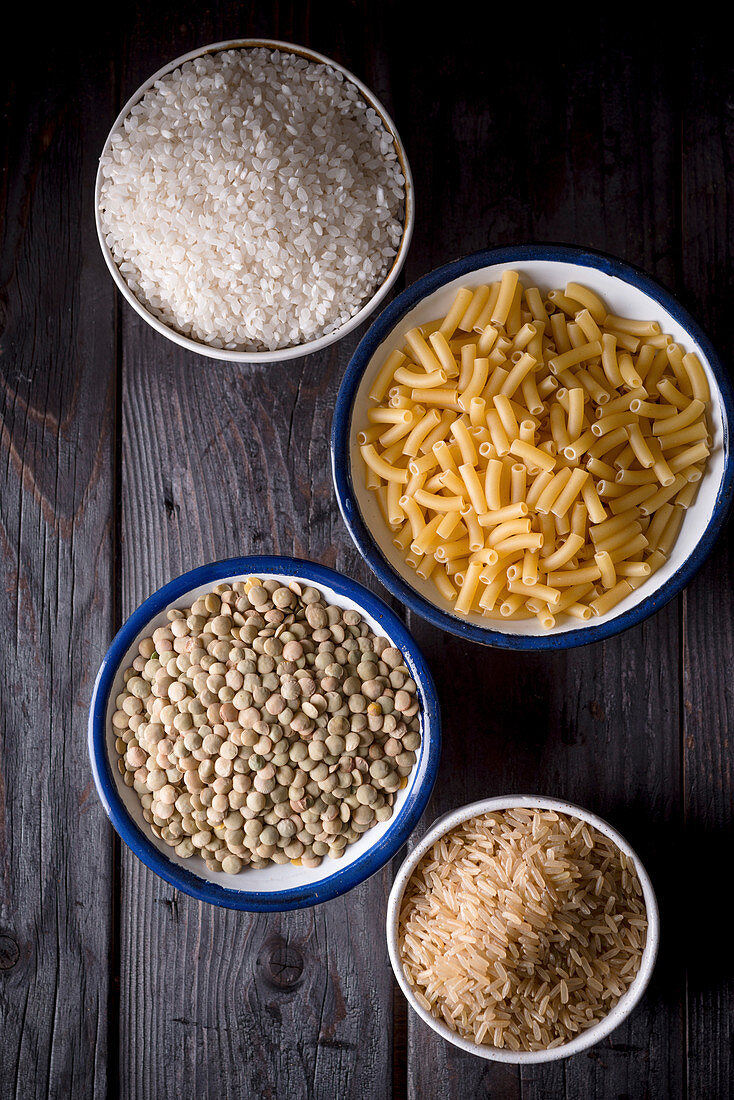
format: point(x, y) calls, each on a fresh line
point(522, 928)
point(254, 201)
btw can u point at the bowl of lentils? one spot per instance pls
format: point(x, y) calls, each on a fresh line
point(264, 733)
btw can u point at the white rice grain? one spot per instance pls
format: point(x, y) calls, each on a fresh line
point(251, 201)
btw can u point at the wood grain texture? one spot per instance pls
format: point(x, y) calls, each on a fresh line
point(57, 416)
point(598, 725)
point(251, 475)
point(219, 461)
point(125, 461)
point(708, 697)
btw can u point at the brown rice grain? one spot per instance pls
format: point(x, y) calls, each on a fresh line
point(522, 928)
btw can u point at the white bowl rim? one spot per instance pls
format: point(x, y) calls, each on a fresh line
point(300, 350)
point(343, 878)
point(368, 544)
point(626, 1003)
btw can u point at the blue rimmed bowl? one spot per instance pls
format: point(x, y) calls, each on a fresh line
point(278, 887)
point(627, 291)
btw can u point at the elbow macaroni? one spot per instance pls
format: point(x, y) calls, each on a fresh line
point(534, 455)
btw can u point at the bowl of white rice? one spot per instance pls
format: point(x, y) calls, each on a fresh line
point(522, 929)
point(254, 201)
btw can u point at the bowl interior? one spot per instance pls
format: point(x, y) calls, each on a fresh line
point(626, 1003)
point(370, 304)
point(621, 297)
point(276, 877)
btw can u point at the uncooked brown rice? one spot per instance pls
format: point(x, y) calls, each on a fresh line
point(522, 928)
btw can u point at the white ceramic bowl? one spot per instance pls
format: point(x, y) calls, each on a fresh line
point(627, 292)
point(308, 347)
point(278, 886)
point(596, 1032)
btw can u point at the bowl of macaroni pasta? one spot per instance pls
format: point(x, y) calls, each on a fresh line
point(531, 446)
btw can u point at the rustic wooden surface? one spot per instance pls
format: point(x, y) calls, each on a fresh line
point(125, 461)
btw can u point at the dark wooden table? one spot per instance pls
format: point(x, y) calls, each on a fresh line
point(125, 461)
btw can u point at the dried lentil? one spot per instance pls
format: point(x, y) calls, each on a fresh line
point(263, 724)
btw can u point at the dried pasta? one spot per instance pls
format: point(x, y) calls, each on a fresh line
point(534, 454)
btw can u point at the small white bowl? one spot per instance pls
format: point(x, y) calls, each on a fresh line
point(597, 1031)
point(277, 887)
point(369, 305)
point(628, 292)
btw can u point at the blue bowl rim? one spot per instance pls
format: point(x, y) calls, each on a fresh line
point(380, 329)
point(343, 879)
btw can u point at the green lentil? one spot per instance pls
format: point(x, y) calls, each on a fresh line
point(263, 724)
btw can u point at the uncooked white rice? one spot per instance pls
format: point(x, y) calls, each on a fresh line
point(522, 928)
point(252, 200)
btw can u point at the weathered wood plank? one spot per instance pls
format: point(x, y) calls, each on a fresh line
point(572, 161)
point(217, 461)
point(238, 464)
point(598, 140)
point(57, 417)
point(708, 697)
